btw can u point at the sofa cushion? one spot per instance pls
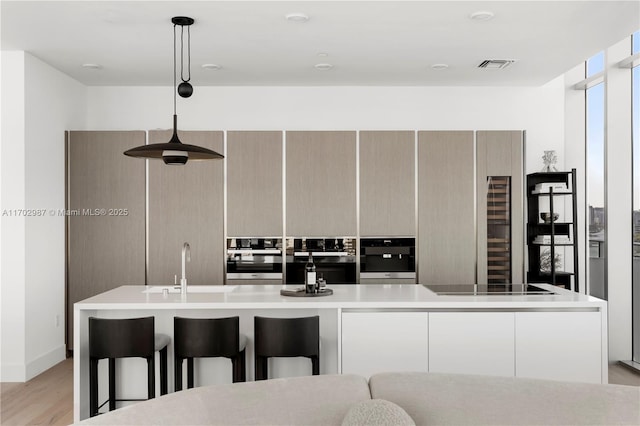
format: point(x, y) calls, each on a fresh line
point(377, 412)
point(441, 399)
point(312, 400)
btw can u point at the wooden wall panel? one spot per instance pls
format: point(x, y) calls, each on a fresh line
point(254, 184)
point(446, 224)
point(106, 249)
point(186, 205)
point(387, 183)
point(321, 183)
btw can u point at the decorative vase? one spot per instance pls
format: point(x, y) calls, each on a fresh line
point(550, 159)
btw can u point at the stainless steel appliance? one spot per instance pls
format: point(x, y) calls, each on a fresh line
point(254, 261)
point(334, 258)
point(388, 259)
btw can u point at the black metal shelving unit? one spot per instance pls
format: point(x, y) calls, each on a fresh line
point(551, 231)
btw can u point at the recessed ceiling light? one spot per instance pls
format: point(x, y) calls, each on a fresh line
point(92, 66)
point(214, 67)
point(439, 66)
point(481, 15)
point(297, 17)
point(323, 54)
point(323, 67)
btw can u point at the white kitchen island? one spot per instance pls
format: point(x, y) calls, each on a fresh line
point(366, 329)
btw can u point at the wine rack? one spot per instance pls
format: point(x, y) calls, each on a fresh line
point(499, 229)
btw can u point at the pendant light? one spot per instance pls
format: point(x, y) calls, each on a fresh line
point(174, 151)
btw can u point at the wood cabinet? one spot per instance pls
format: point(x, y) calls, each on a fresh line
point(387, 183)
point(377, 342)
point(472, 343)
point(106, 215)
point(320, 183)
point(254, 184)
point(446, 219)
point(500, 215)
point(186, 205)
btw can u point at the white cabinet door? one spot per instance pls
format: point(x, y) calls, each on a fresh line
point(376, 342)
point(559, 346)
point(472, 343)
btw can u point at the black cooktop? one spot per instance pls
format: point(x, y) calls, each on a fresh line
point(487, 289)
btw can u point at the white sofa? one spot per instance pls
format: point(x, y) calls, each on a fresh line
point(388, 398)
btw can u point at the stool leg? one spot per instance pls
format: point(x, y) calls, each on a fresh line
point(93, 387)
point(178, 374)
point(261, 368)
point(151, 376)
point(237, 363)
point(243, 366)
point(315, 365)
point(112, 384)
point(163, 371)
point(189, 373)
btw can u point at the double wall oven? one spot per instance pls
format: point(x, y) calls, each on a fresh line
point(254, 261)
point(334, 258)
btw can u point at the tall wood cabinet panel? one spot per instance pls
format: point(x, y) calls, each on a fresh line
point(500, 158)
point(254, 184)
point(105, 247)
point(320, 183)
point(186, 205)
point(446, 220)
point(387, 183)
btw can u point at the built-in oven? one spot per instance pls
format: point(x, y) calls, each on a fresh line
point(387, 260)
point(254, 261)
point(334, 259)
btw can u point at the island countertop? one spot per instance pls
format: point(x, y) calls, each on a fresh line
point(391, 296)
point(372, 328)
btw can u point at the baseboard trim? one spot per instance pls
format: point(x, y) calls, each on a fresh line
point(45, 362)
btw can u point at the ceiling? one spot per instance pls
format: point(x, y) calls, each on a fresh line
point(369, 43)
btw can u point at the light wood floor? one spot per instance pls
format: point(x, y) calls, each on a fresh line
point(48, 398)
point(44, 400)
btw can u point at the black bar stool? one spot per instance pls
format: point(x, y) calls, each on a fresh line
point(124, 338)
point(208, 337)
point(286, 337)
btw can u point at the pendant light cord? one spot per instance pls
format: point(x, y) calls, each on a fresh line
point(188, 53)
point(175, 89)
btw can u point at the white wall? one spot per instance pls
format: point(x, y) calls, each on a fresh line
point(538, 110)
point(33, 250)
point(12, 172)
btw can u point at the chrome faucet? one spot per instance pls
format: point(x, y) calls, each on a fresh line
point(186, 257)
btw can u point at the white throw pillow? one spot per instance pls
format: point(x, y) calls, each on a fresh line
point(377, 412)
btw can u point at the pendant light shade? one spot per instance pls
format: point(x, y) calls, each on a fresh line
point(175, 152)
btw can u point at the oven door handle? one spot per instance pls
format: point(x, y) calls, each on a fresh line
point(322, 254)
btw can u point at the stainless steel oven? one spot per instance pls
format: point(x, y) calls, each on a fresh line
point(254, 260)
point(334, 258)
point(392, 259)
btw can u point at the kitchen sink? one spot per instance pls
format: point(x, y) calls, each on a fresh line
point(191, 289)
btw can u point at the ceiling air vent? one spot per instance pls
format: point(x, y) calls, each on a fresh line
point(496, 64)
